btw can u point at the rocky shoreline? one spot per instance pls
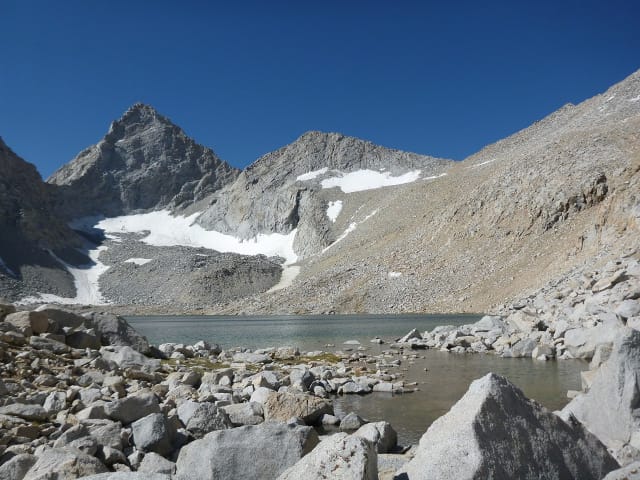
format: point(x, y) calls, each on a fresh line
point(86, 396)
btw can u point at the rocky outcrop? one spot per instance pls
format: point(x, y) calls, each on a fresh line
point(494, 431)
point(31, 232)
point(144, 162)
point(609, 409)
point(267, 197)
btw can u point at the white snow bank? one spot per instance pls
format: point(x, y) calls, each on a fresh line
point(166, 230)
point(6, 268)
point(311, 175)
point(367, 180)
point(394, 274)
point(482, 163)
point(85, 278)
point(288, 276)
point(635, 99)
point(334, 209)
point(352, 226)
point(138, 261)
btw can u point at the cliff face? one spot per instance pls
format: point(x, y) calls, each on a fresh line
point(144, 162)
point(31, 232)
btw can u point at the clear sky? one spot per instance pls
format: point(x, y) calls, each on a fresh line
point(244, 78)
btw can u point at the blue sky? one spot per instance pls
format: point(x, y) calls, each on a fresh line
point(245, 78)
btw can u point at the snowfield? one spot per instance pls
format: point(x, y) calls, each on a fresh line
point(311, 175)
point(361, 180)
point(165, 230)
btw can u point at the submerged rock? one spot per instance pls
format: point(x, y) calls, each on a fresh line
point(494, 431)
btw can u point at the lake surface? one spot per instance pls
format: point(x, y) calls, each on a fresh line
point(447, 377)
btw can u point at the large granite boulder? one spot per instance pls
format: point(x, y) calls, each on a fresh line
point(131, 408)
point(62, 317)
point(262, 451)
point(610, 408)
point(17, 467)
point(207, 418)
point(339, 457)
point(64, 464)
point(380, 434)
point(282, 406)
point(114, 330)
point(127, 357)
point(583, 342)
point(494, 431)
point(153, 433)
point(28, 323)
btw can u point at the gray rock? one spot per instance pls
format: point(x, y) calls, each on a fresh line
point(494, 431)
point(83, 340)
point(55, 402)
point(524, 348)
point(249, 413)
point(64, 464)
point(283, 406)
point(207, 418)
point(413, 334)
point(582, 342)
point(339, 457)
point(26, 411)
point(628, 309)
point(260, 395)
point(6, 309)
point(128, 476)
point(249, 357)
point(62, 317)
point(3, 388)
point(154, 463)
point(262, 451)
point(488, 323)
point(28, 323)
point(380, 434)
point(106, 433)
point(71, 435)
point(127, 357)
point(17, 467)
point(351, 421)
point(153, 433)
point(114, 330)
point(40, 343)
point(630, 472)
point(186, 410)
point(132, 408)
point(609, 408)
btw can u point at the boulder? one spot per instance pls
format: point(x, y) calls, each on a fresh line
point(609, 409)
point(628, 309)
point(154, 463)
point(260, 395)
point(55, 402)
point(494, 431)
point(114, 330)
point(339, 457)
point(524, 348)
point(40, 343)
point(3, 388)
point(351, 421)
point(82, 340)
point(131, 408)
point(28, 323)
point(106, 433)
point(6, 309)
point(489, 323)
point(248, 357)
point(34, 413)
point(582, 342)
point(64, 464)
point(283, 406)
point(630, 472)
point(249, 413)
point(127, 357)
point(380, 434)
point(207, 418)
point(413, 334)
point(17, 467)
point(64, 318)
point(262, 451)
point(153, 433)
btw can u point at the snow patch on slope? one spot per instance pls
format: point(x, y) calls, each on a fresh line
point(138, 261)
point(311, 175)
point(165, 230)
point(352, 226)
point(85, 278)
point(361, 180)
point(334, 209)
point(288, 276)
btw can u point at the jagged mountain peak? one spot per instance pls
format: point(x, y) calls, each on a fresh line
point(144, 162)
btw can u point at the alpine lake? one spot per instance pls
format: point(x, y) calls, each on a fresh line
point(441, 377)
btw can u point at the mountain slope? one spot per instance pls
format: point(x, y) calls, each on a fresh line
point(30, 231)
point(561, 193)
point(144, 162)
